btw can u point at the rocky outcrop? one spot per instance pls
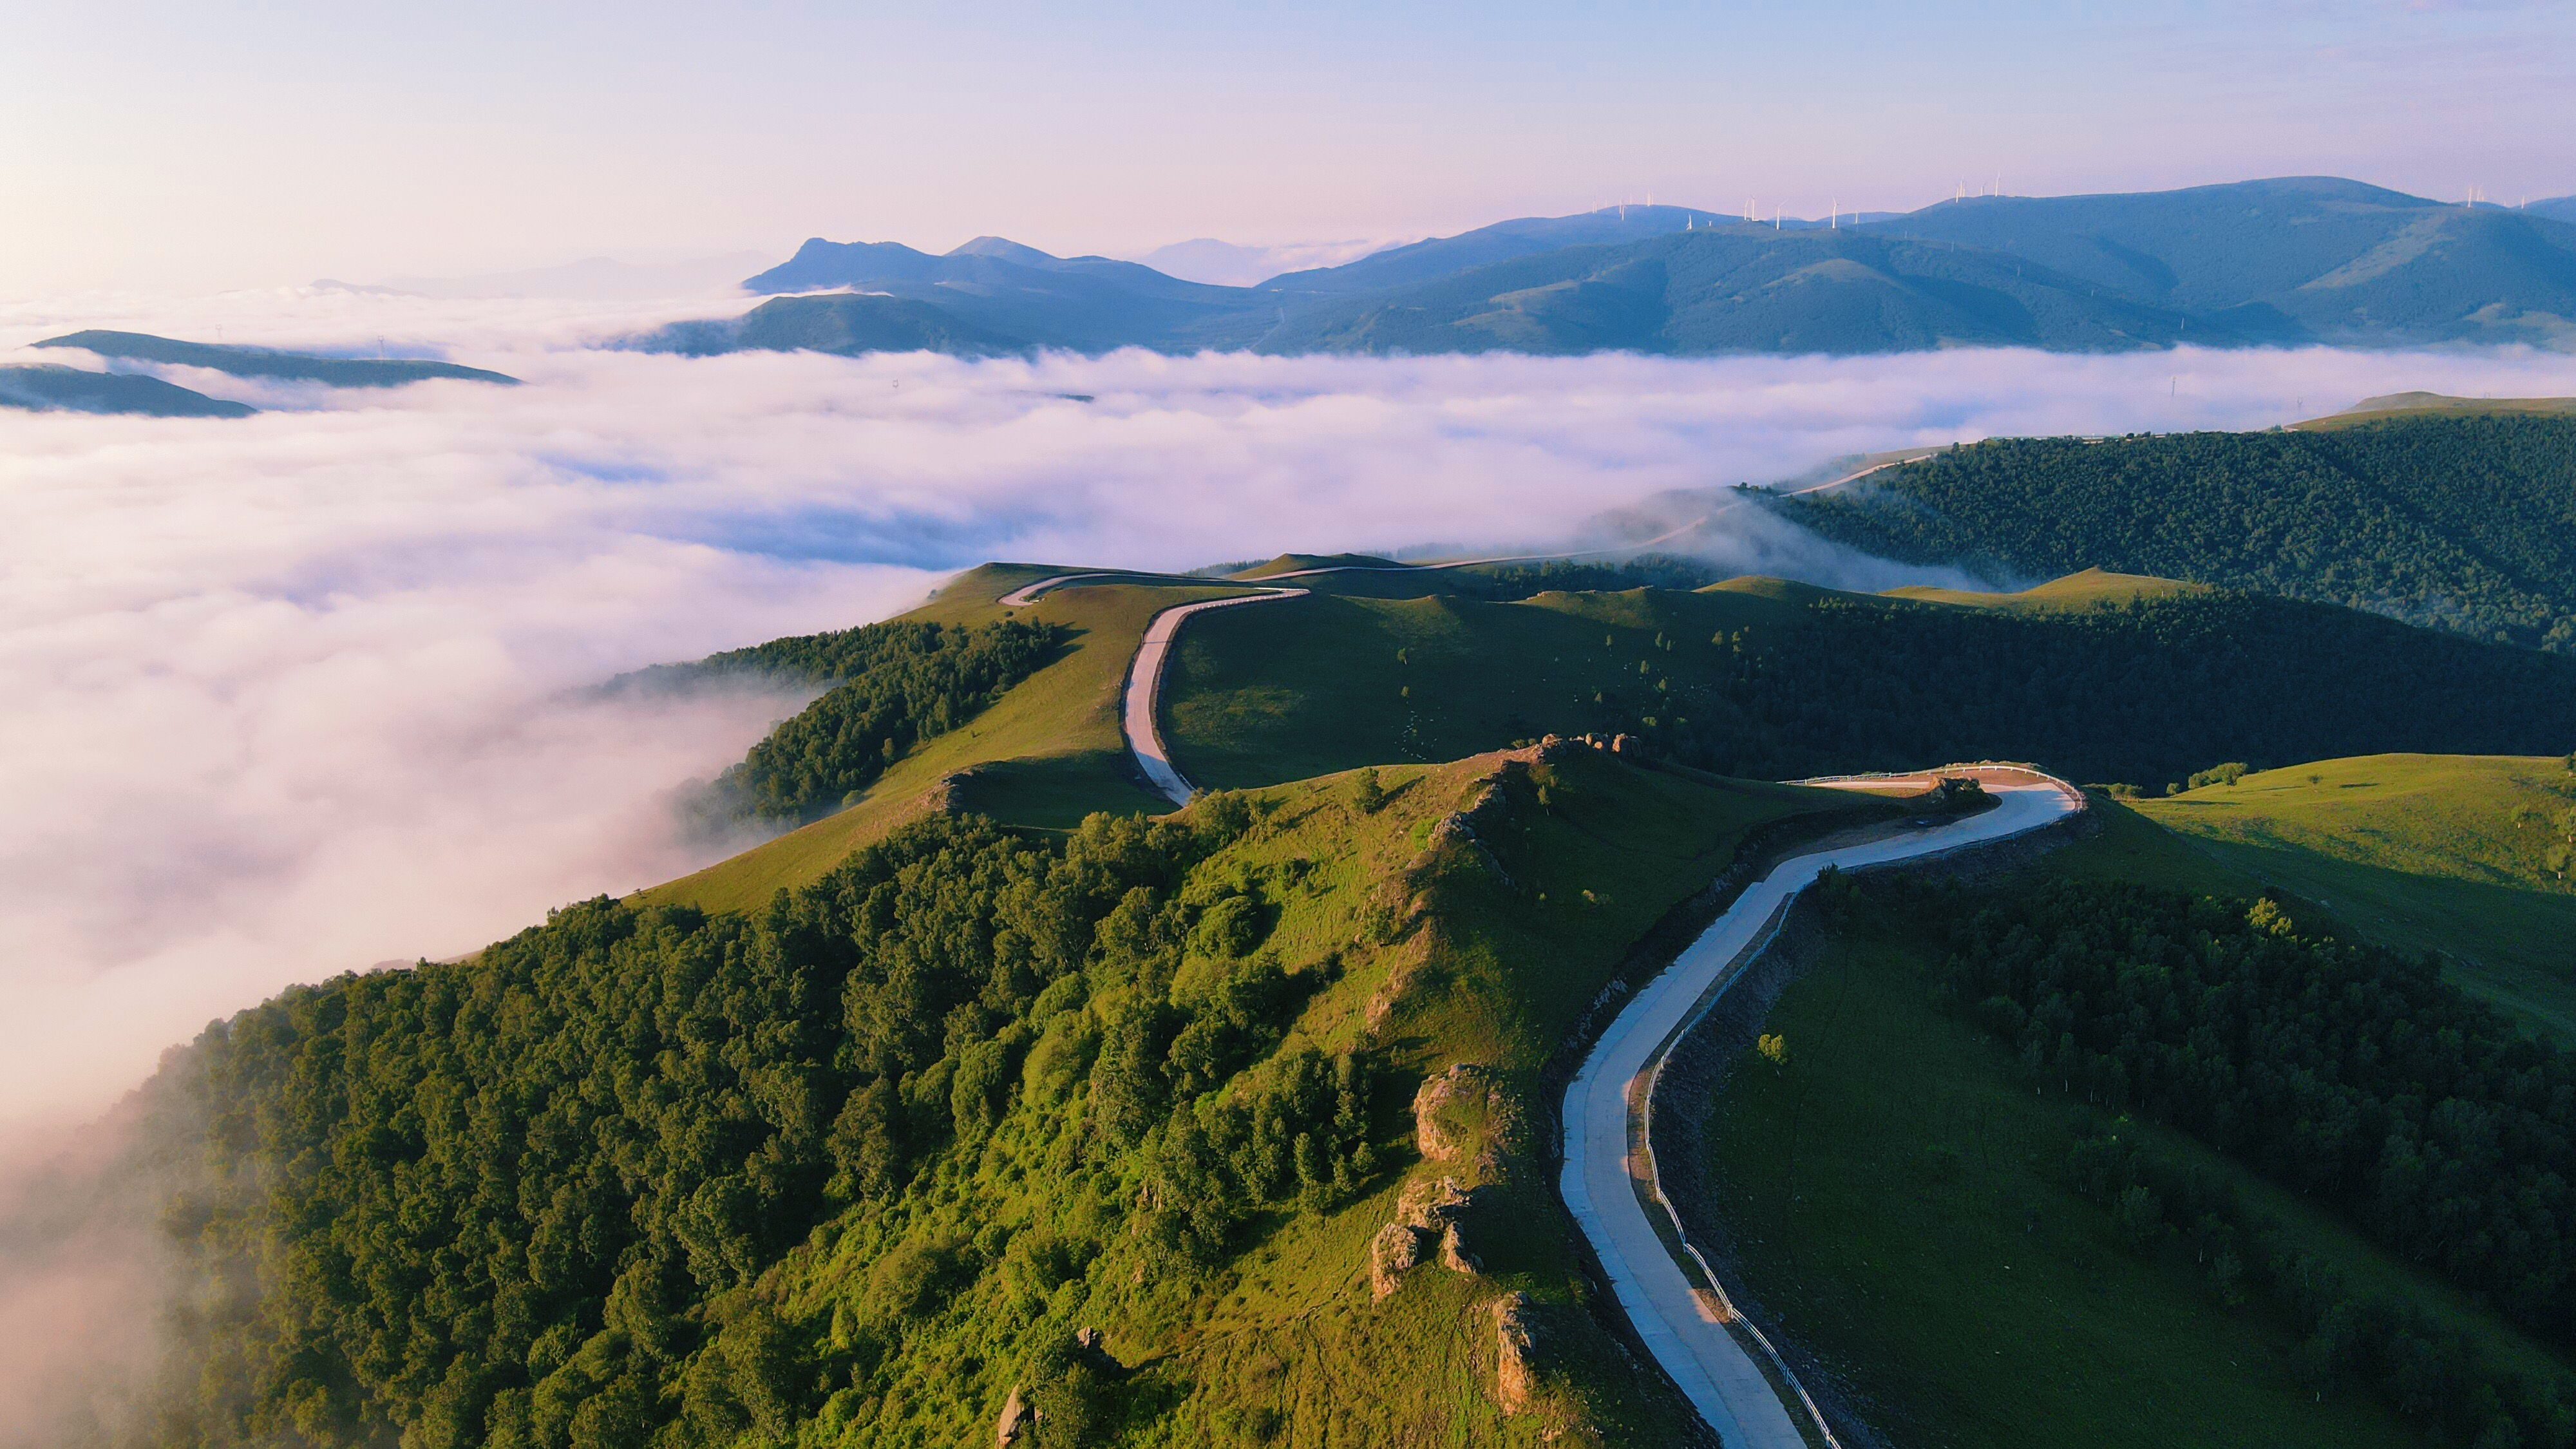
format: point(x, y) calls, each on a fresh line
point(1392, 1253)
point(1014, 1422)
point(1628, 745)
point(1427, 1221)
point(1453, 1251)
point(1467, 1116)
point(1515, 1343)
point(948, 795)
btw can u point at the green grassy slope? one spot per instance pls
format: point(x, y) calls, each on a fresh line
point(2421, 404)
point(2101, 679)
point(1049, 753)
point(2460, 521)
point(2451, 854)
point(690, 1276)
point(1897, 1199)
point(2079, 590)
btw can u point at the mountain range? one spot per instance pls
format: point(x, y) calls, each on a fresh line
point(2288, 261)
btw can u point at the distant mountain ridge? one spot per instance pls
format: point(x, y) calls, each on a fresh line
point(2291, 261)
point(2307, 258)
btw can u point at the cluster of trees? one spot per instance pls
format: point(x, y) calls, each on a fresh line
point(2349, 1073)
point(898, 683)
point(2464, 523)
point(2226, 774)
point(1642, 571)
point(2147, 689)
point(524, 1199)
point(2424, 1369)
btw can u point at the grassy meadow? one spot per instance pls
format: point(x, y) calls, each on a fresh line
point(1898, 1200)
point(2454, 854)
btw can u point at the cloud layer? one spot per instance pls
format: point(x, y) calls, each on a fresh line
point(286, 696)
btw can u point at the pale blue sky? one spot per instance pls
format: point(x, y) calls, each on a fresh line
point(178, 143)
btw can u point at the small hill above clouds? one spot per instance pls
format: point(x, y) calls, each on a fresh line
point(1002, 287)
point(269, 363)
point(848, 324)
point(2416, 404)
point(48, 388)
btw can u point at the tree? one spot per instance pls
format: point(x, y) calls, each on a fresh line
point(1372, 796)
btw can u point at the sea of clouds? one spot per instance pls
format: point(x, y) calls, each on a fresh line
point(299, 694)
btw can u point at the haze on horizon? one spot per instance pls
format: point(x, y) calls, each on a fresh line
point(167, 147)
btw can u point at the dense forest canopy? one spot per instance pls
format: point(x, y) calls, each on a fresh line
point(2353, 1074)
point(892, 686)
point(2145, 690)
point(2463, 523)
point(519, 1199)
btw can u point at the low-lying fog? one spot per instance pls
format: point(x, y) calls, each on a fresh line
point(287, 696)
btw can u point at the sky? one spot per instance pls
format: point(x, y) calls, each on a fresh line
point(180, 145)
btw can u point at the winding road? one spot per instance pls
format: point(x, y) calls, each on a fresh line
point(1609, 1181)
point(1140, 707)
point(1717, 1358)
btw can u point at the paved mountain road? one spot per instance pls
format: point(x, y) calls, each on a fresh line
point(1609, 1176)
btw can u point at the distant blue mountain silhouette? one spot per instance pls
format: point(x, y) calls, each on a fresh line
point(2292, 260)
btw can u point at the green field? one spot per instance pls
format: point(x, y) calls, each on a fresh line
point(2444, 853)
point(1048, 754)
point(1898, 1202)
point(2095, 676)
point(2432, 404)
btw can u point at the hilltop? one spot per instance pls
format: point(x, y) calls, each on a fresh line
point(2466, 857)
point(2418, 404)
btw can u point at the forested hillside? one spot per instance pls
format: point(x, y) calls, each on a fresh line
point(1795, 682)
point(2463, 523)
point(853, 1169)
point(887, 688)
point(903, 683)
